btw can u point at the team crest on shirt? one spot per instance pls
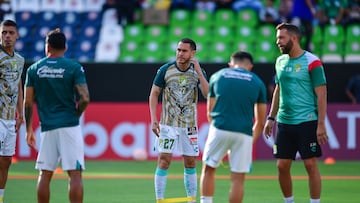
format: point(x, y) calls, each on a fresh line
point(297, 67)
point(182, 80)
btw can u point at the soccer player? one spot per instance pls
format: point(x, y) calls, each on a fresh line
point(53, 83)
point(11, 95)
point(236, 98)
point(299, 106)
point(179, 82)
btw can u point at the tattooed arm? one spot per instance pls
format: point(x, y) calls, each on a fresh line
point(84, 97)
point(29, 97)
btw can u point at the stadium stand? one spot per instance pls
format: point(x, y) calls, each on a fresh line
point(89, 31)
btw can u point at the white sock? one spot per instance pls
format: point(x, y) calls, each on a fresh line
point(206, 199)
point(190, 181)
point(314, 200)
point(289, 199)
point(160, 182)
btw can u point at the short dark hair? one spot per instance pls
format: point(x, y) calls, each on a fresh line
point(291, 28)
point(8, 23)
point(56, 39)
point(189, 41)
point(241, 56)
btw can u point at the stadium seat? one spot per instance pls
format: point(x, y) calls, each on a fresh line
point(51, 5)
point(180, 16)
point(130, 51)
point(47, 18)
point(246, 33)
point(134, 32)
point(70, 18)
point(153, 52)
point(223, 33)
point(93, 5)
point(224, 17)
point(28, 5)
point(84, 50)
point(334, 33)
point(170, 49)
point(353, 33)
point(92, 18)
point(156, 32)
point(201, 33)
point(247, 17)
point(107, 51)
point(352, 51)
point(70, 33)
point(201, 17)
point(243, 45)
point(332, 52)
point(177, 32)
point(73, 5)
point(220, 52)
point(26, 18)
point(202, 51)
point(109, 17)
point(265, 51)
point(267, 31)
point(111, 33)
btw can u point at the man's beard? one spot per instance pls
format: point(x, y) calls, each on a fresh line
point(287, 48)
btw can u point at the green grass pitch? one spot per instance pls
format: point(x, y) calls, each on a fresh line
point(132, 182)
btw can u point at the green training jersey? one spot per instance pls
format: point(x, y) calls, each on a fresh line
point(236, 91)
point(54, 80)
point(11, 68)
point(297, 78)
point(179, 96)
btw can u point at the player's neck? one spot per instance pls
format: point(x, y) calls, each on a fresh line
point(8, 50)
point(55, 55)
point(296, 52)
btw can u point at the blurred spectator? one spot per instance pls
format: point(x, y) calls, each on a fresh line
point(303, 15)
point(125, 10)
point(353, 13)
point(332, 12)
point(353, 89)
point(285, 8)
point(256, 5)
point(182, 4)
point(224, 4)
point(206, 5)
point(269, 14)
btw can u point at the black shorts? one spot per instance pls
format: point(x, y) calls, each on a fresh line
point(297, 138)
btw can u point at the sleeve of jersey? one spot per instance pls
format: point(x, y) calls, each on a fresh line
point(211, 92)
point(80, 75)
point(159, 77)
point(316, 71)
point(28, 80)
point(262, 96)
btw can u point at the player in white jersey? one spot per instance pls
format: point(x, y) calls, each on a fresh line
point(11, 94)
point(179, 82)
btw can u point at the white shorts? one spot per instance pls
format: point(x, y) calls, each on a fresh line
point(175, 139)
point(7, 137)
point(237, 145)
point(62, 144)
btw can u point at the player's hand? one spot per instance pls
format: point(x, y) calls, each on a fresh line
point(196, 64)
point(322, 137)
point(268, 129)
point(31, 139)
point(155, 128)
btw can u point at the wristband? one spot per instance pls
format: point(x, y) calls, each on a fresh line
point(271, 118)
